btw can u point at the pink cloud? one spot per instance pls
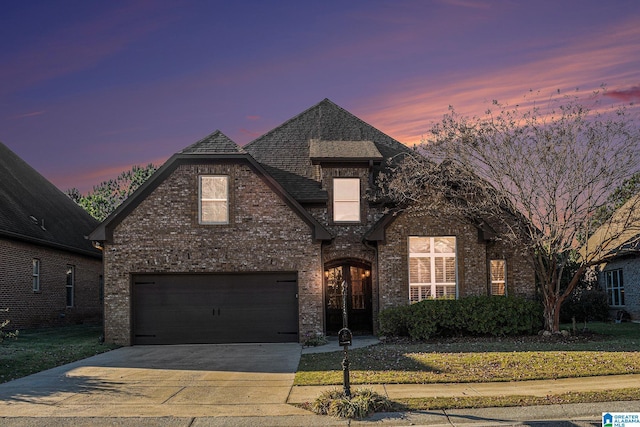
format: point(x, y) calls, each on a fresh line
point(409, 111)
point(26, 115)
point(254, 118)
point(627, 95)
point(251, 133)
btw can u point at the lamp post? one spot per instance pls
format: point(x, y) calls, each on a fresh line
point(344, 339)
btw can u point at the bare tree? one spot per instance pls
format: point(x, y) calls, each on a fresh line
point(536, 176)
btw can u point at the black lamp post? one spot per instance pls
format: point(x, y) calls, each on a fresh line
point(344, 339)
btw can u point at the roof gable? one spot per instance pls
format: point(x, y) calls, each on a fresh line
point(215, 143)
point(212, 148)
point(35, 210)
point(286, 149)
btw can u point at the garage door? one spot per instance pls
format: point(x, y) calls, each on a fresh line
point(215, 308)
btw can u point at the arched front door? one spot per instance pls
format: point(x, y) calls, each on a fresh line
point(357, 276)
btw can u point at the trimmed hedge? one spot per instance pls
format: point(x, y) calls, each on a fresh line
point(470, 316)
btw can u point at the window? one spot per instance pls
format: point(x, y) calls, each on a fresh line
point(214, 200)
point(498, 277)
point(36, 275)
point(346, 199)
point(70, 284)
point(432, 268)
point(615, 287)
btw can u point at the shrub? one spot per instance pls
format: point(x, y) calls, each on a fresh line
point(470, 316)
point(314, 339)
point(361, 404)
point(4, 334)
point(585, 305)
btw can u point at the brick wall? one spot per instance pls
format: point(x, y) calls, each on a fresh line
point(520, 272)
point(162, 235)
point(472, 259)
point(29, 309)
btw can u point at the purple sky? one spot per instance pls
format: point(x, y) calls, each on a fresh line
point(90, 88)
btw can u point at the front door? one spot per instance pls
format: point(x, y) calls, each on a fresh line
point(357, 278)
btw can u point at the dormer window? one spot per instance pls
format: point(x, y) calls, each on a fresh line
point(214, 199)
point(346, 200)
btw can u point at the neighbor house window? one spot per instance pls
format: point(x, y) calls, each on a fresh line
point(71, 278)
point(214, 200)
point(36, 275)
point(432, 268)
point(615, 287)
point(498, 277)
point(346, 199)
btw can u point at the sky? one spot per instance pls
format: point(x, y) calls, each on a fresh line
point(90, 88)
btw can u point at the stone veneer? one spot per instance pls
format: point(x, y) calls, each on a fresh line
point(162, 235)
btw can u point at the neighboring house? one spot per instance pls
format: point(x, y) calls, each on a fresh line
point(49, 272)
point(247, 244)
point(617, 245)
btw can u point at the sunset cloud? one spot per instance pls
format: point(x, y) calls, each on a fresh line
point(626, 95)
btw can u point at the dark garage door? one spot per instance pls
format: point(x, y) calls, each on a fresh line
point(215, 308)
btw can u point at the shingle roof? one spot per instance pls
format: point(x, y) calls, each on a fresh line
point(35, 210)
point(285, 150)
point(343, 150)
point(216, 143)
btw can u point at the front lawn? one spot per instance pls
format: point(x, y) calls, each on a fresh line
point(611, 349)
point(40, 349)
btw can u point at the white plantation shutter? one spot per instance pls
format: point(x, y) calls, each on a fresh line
point(432, 267)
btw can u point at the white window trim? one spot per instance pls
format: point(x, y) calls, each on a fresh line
point(201, 199)
point(619, 289)
point(338, 202)
point(432, 256)
point(35, 271)
point(498, 282)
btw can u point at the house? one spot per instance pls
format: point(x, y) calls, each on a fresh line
point(49, 272)
point(616, 246)
point(253, 244)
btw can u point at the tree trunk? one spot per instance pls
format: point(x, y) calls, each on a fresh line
point(552, 314)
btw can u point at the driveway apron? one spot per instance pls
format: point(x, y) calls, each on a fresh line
point(177, 380)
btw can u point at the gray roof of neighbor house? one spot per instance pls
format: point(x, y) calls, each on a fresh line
point(618, 236)
point(285, 152)
point(214, 147)
point(32, 209)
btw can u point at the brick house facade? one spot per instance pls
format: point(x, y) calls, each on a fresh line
point(50, 274)
point(260, 243)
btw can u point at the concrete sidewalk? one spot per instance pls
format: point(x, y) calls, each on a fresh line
point(252, 385)
point(301, 394)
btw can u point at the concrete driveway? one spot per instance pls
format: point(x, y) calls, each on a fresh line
point(159, 381)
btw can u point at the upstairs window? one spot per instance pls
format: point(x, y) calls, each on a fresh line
point(432, 268)
point(615, 287)
point(346, 200)
point(214, 200)
point(498, 277)
point(36, 275)
point(71, 279)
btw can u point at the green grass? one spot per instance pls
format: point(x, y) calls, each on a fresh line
point(40, 349)
point(611, 349)
point(436, 403)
